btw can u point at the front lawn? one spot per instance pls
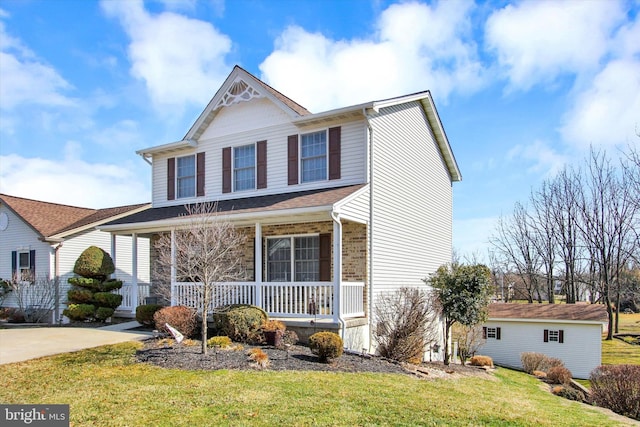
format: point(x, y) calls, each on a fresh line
point(106, 387)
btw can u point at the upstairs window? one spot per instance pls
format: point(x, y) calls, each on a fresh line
point(244, 168)
point(313, 156)
point(186, 176)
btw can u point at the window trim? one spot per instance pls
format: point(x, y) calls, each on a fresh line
point(326, 156)
point(292, 254)
point(178, 177)
point(254, 167)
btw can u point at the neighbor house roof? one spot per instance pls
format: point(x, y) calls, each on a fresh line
point(566, 312)
point(53, 219)
point(310, 199)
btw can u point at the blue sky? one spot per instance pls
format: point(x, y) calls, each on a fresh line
point(522, 88)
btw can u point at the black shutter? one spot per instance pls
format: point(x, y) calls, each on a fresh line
point(200, 168)
point(497, 333)
point(292, 159)
point(546, 335)
point(261, 164)
point(325, 257)
point(561, 336)
point(484, 332)
point(32, 263)
point(226, 170)
point(14, 264)
point(334, 153)
point(171, 178)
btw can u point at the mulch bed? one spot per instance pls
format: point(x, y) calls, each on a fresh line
point(297, 358)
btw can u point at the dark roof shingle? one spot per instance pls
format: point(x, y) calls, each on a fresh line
point(585, 312)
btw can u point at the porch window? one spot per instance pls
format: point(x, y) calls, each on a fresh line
point(244, 167)
point(293, 257)
point(313, 159)
point(186, 176)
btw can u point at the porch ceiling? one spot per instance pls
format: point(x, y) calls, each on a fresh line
point(290, 207)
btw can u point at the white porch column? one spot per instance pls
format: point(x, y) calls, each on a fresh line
point(257, 266)
point(134, 272)
point(337, 266)
point(113, 253)
point(173, 266)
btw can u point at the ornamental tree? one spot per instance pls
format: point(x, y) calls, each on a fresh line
point(463, 293)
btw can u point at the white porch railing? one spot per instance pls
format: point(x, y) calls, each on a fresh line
point(127, 296)
point(279, 299)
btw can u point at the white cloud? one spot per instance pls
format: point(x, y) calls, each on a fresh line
point(608, 112)
point(179, 59)
point(416, 47)
point(26, 80)
point(71, 181)
point(544, 160)
point(536, 41)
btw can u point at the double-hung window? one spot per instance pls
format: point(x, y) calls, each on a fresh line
point(313, 158)
point(293, 257)
point(186, 176)
point(244, 167)
point(24, 264)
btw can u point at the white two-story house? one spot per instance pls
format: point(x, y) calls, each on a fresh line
point(339, 206)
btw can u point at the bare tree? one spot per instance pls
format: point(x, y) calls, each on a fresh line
point(470, 339)
point(609, 215)
point(544, 235)
point(35, 296)
point(514, 250)
point(208, 251)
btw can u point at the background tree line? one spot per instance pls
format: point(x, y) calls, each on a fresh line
point(578, 230)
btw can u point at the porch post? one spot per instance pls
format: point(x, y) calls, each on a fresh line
point(173, 266)
point(113, 252)
point(337, 267)
point(134, 272)
point(257, 265)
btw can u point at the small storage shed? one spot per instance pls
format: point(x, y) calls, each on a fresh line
point(570, 332)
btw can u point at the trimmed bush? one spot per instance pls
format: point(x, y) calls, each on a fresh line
point(568, 393)
point(110, 285)
point(95, 263)
point(326, 345)
point(290, 337)
point(617, 387)
point(538, 362)
point(481, 361)
point(107, 299)
point(103, 313)
point(79, 311)
point(180, 317)
point(559, 375)
point(144, 313)
point(85, 282)
point(241, 323)
point(220, 342)
point(539, 374)
point(80, 296)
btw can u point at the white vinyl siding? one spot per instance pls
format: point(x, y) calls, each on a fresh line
point(353, 153)
point(412, 200)
point(580, 351)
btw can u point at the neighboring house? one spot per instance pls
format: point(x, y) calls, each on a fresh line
point(43, 240)
point(570, 332)
point(339, 206)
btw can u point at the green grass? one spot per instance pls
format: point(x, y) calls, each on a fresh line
point(618, 352)
point(106, 387)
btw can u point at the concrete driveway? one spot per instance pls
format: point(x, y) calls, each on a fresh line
point(19, 344)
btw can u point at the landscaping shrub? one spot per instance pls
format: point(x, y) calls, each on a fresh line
point(539, 374)
point(326, 345)
point(481, 361)
point(259, 357)
point(559, 375)
point(79, 311)
point(81, 296)
point(568, 393)
point(107, 299)
point(144, 313)
point(617, 387)
point(290, 337)
point(538, 362)
point(95, 263)
point(180, 317)
point(220, 342)
point(241, 323)
point(103, 313)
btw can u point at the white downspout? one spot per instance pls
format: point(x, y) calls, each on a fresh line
point(370, 275)
point(337, 269)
